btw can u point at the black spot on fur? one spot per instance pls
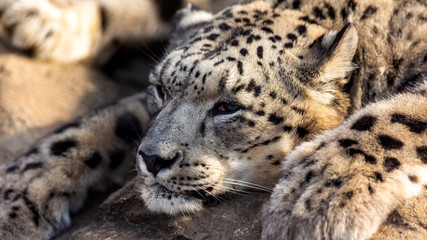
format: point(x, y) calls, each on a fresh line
point(12, 169)
point(391, 164)
point(224, 27)
point(364, 123)
point(301, 29)
point(287, 128)
point(30, 205)
point(246, 32)
point(414, 125)
point(317, 12)
point(253, 87)
point(296, 4)
point(238, 88)
point(251, 123)
point(309, 176)
point(298, 110)
point(368, 158)
point(308, 204)
point(370, 189)
point(240, 67)
point(33, 165)
point(267, 22)
point(344, 14)
point(369, 12)
point(288, 45)
point(308, 20)
point(218, 63)
point(273, 95)
point(284, 101)
point(345, 143)
point(243, 51)
point(260, 113)
point(260, 52)
point(336, 182)
point(413, 178)
point(212, 36)
point(7, 194)
point(276, 120)
point(116, 158)
point(291, 36)
point(267, 30)
point(128, 128)
point(234, 43)
point(397, 62)
point(352, 5)
point(378, 176)
point(60, 148)
point(12, 215)
point(330, 11)
point(349, 195)
point(227, 13)
point(388, 142)
point(422, 153)
point(301, 132)
point(94, 160)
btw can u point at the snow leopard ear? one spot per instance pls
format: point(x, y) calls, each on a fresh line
point(186, 22)
point(330, 62)
point(335, 52)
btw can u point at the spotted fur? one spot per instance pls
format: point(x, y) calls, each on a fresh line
point(237, 91)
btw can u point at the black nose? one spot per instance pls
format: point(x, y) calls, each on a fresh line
point(156, 163)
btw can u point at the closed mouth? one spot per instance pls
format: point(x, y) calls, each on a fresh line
point(188, 195)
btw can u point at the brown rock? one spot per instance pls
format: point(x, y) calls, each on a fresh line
point(123, 216)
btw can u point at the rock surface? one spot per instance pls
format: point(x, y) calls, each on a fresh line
point(123, 216)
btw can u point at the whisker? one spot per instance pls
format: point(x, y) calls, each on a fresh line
point(236, 191)
point(245, 182)
point(247, 185)
point(148, 55)
point(197, 191)
point(145, 45)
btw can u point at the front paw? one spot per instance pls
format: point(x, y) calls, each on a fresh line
point(327, 192)
point(64, 31)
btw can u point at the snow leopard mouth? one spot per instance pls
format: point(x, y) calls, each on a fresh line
point(195, 194)
point(158, 198)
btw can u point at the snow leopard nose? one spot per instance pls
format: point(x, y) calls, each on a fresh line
point(155, 163)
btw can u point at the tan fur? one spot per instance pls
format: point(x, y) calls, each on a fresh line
point(36, 98)
point(71, 30)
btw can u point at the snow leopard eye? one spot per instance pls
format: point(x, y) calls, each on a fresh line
point(223, 108)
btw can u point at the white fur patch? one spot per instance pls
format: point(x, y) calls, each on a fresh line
point(194, 17)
